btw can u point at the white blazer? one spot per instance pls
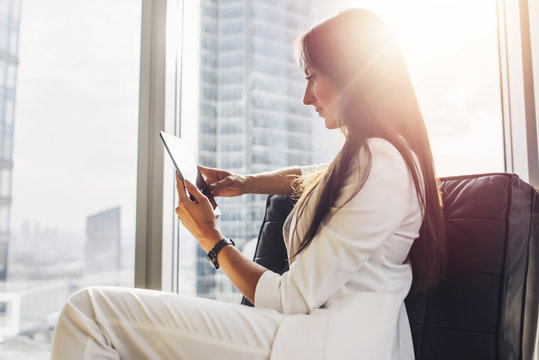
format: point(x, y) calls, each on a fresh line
point(344, 294)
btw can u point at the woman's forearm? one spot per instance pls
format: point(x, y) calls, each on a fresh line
point(272, 182)
point(243, 272)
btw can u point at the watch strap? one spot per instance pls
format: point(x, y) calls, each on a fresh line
point(212, 254)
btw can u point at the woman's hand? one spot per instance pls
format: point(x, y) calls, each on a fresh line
point(197, 216)
point(224, 183)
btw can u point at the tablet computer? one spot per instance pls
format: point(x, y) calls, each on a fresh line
point(186, 166)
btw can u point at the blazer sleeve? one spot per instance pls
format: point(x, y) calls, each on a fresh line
point(307, 169)
point(345, 242)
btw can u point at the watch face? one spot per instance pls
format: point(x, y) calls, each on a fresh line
point(211, 262)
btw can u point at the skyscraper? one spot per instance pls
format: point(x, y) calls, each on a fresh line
point(251, 115)
point(103, 247)
point(9, 38)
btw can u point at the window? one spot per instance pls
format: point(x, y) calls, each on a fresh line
point(11, 77)
point(9, 115)
point(69, 84)
point(209, 143)
point(229, 94)
point(208, 127)
point(454, 67)
point(231, 110)
point(210, 11)
point(268, 14)
point(231, 128)
point(232, 28)
point(229, 144)
point(210, 78)
point(455, 73)
point(208, 110)
point(5, 182)
point(235, 60)
point(229, 12)
point(4, 218)
point(232, 44)
point(3, 68)
point(230, 77)
point(270, 67)
point(6, 143)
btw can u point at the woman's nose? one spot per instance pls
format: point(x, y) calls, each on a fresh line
point(308, 98)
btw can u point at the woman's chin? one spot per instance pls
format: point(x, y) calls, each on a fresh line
point(330, 124)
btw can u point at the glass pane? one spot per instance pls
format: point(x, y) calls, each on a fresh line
point(13, 41)
point(9, 116)
point(3, 69)
point(4, 218)
point(6, 144)
point(249, 98)
point(5, 182)
point(4, 36)
point(251, 118)
point(11, 76)
point(452, 55)
point(73, 158)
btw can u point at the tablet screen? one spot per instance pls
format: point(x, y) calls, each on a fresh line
point(186, 166)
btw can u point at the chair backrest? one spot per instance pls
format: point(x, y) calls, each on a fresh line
point(481, 310)
point(488, 305)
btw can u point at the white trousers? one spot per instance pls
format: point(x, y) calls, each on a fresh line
point(122, 323)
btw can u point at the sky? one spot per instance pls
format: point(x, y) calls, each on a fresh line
point(75, 146)
point(75, 143)
point(452, 55)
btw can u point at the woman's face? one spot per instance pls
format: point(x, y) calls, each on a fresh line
point(322, 94)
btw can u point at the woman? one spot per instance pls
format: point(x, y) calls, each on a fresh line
point(352, 238)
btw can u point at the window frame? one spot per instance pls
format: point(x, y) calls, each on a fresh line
point(517, 90)
point(156, 251)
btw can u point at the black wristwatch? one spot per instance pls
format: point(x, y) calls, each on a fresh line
point(212, 255)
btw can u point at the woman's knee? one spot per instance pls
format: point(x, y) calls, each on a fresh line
point(83, 301)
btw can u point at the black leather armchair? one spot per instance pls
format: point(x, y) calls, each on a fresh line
point(487, 307)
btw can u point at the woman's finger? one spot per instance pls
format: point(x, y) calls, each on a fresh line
point(207, 169)
point(216, 186)
point(193, 190)
point(212, 175)
point(180, 186)
point(209, 173)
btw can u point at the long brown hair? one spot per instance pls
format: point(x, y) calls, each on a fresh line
point(356, 51)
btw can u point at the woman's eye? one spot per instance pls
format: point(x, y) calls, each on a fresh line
point(309, 77)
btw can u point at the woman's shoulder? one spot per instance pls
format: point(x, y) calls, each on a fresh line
point(384, 155)
point(309, 169)
point(388, 165)
point(383, 146)
point(382, 165)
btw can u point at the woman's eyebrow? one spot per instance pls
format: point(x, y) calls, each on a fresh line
point(306, 70)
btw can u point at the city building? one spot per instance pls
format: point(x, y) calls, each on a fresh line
point(103, 242)
point(9, 38)
point(251, 116)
